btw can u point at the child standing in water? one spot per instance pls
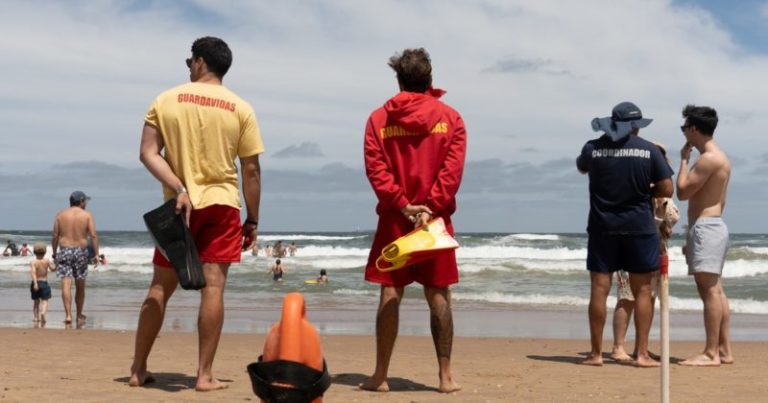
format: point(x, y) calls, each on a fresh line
point(277, 271)
point(39, 288)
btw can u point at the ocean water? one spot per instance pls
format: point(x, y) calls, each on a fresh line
point(497, 272)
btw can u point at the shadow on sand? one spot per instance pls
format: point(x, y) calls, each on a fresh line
point(169, 381)
point(395, 384)
point(578, 359)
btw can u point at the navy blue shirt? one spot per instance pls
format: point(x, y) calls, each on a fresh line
point(620, 178)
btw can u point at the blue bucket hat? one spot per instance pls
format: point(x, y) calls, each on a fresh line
point(625, 117)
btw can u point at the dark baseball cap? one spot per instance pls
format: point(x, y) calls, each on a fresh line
point(77, 196)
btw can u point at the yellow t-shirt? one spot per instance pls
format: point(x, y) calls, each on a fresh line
point(204, 128)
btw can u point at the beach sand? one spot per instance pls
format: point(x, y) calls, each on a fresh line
point(92, 365)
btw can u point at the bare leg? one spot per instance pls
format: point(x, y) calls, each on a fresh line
point(209, 322)
point(36, 311)
point(600, 288)
point(726, 355)
point(151, 317)
point(80, 297)
point(387, 323)
point(43, 310)
point(708, 285)
point(66, 298)
point(641, 290)
point(621, 315)
point(441, 324)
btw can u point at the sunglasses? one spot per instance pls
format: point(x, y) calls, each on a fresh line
point(189, 61)
point(684, 127)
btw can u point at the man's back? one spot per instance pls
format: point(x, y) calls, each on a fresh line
point(620, 177)
point(709, 200)
point(72, 224)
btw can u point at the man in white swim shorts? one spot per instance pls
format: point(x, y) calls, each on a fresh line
point(705, 185)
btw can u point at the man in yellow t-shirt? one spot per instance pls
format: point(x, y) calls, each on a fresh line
point(191, 137)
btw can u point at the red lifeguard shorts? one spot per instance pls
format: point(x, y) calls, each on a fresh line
point(439, 272)
point(218, 235)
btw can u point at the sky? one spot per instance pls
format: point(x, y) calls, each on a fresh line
point(527, 77)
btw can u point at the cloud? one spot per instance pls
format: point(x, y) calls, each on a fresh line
point(314, 71)
point(303, 150)
point(516, 65)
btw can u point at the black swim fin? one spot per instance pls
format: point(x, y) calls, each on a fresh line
point(174, 241)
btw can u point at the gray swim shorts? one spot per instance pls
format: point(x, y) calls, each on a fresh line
point(707, 245)
point(72, 262)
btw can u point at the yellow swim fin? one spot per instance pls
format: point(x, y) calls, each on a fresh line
point(419, 244)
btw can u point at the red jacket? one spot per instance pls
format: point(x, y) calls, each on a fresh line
point(414, 153)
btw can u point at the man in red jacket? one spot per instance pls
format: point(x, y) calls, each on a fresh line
point(414, 159)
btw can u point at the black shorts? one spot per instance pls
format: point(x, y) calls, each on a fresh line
point(43, 290)
point(633, 253)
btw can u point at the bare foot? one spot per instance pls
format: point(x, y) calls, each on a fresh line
point(620, 355)
point(42, 318)
point(646, 362)
point(35, 320)
point(594, 360)
point(140, 379)
point(81, 317)
point(449, 386)
point(68, 319)
point(210, 385)
point(725, 357)
point(374, 386)
point(701, 360)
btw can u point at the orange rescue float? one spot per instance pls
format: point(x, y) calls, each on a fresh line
point(292, 368)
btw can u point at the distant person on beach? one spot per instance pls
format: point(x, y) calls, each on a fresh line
point(39, 288)
point(24, 251)
point(292, 248)
point(666, 215)
point(267, 251)
point(72, 228)
point(323, 277)
point(102, 260)
point(414, 159)
point(277, 271)
point(705, 186)
point(191, 137)
point(11, 249)
point(278, 250)
point(625, 173)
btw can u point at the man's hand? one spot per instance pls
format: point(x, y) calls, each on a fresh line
point(249, 235)
point(419, 214)
point(685, 152)
point(184, 204)
point(36, 287)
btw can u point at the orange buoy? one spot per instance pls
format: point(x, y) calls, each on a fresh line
point(292, 368)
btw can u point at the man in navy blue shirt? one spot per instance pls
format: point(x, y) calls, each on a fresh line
point(625, 173)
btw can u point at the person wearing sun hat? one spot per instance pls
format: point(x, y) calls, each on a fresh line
point(625, 172)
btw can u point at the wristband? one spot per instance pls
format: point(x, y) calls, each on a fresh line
point(255, 223)
point(181, 190)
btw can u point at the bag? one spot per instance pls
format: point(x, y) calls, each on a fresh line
point(175, 243)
